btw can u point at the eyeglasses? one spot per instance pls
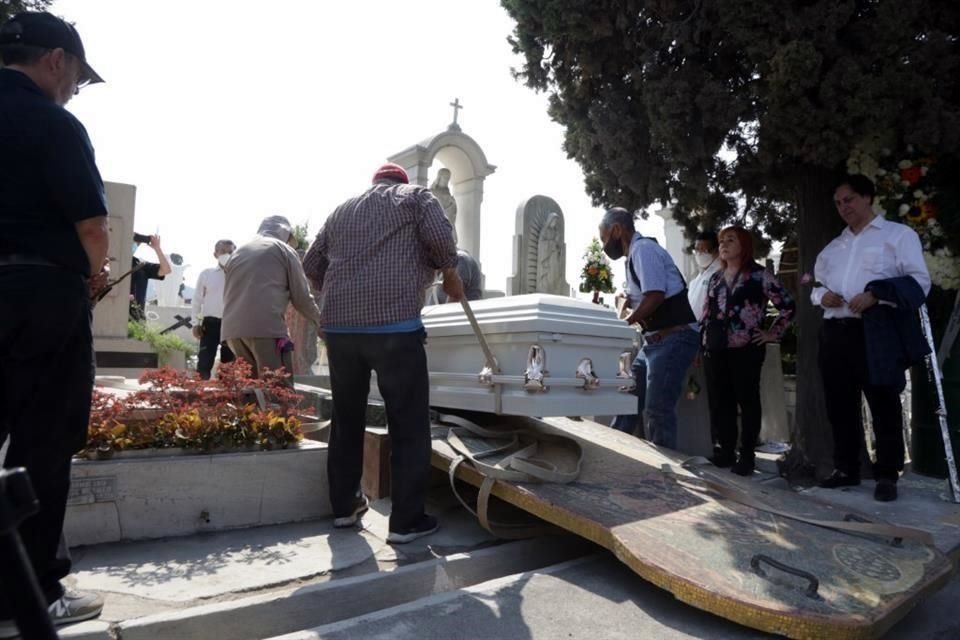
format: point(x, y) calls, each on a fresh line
point(82, 79)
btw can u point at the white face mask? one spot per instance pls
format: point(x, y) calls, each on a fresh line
point(703, 259)
point(223, 259)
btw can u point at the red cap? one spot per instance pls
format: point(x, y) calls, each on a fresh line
point(391, 171)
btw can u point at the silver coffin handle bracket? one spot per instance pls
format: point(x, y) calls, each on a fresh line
point(534, 378)
point(585, 371)
point(625, 371)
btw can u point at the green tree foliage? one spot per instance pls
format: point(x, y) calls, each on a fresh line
point(12, 7)
point(698, 100)
point(742, 110)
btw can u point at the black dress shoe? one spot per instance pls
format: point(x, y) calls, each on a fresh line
point(743, 467)
point(886, 491)
point(721, 459)
point(839, 479)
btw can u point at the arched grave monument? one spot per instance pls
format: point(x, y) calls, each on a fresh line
point(464, 159)
point(539, 249)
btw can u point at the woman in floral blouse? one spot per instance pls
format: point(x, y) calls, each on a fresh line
point(734, 336)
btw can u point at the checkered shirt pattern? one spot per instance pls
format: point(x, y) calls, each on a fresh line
point(376, 255)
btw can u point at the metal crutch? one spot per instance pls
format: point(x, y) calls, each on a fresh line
point(933, 366)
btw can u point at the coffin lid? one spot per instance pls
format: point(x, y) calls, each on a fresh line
point(535, 312)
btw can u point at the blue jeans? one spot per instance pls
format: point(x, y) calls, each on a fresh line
point(659, 370)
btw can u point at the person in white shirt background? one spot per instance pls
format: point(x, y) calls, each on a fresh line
point(871, 248)
point(208, 311)
point(706, 251)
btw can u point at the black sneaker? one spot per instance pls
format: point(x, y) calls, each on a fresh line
point(886, 491)
point(839, 479)
point(360, 506)
point(424, 527)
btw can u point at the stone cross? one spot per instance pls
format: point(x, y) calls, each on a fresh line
point(456, 108)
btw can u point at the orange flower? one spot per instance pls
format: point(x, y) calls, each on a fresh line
point(593, 270)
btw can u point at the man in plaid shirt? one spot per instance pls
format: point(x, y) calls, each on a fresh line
point(372, 261)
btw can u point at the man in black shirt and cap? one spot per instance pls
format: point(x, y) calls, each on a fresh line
point(53, 238)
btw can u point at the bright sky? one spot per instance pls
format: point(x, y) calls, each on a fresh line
point(221, 114)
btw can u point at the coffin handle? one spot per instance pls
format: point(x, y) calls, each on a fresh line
point(625, 371)
point(585, 371)
point(534, 378)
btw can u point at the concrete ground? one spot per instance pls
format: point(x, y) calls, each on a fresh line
point(308, 580)
point(584, 599)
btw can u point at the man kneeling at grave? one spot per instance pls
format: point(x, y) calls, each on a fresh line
point(261, 279)
point(372, 261)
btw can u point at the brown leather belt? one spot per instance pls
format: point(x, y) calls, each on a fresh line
point(659, 336)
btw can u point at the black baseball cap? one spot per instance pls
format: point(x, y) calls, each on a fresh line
point(45, 30)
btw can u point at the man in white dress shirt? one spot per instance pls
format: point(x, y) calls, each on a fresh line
point(870, 249)
point(208, 311)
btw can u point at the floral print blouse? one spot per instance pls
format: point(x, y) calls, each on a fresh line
point(742, 308)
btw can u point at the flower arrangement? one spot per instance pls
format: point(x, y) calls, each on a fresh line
point(911, 190)
point(179, 410)
point(596, 274)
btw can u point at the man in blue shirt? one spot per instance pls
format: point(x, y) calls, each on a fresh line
point(658, 297)
point(53, 238)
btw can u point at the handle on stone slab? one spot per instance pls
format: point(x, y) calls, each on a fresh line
point(800, 573)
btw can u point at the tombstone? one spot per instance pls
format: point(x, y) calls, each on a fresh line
point(468, 167)
point(676, 244)
point(116, 354)
point(539, 250)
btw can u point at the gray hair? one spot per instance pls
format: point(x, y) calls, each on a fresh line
point(618, 215)
point(276, 227)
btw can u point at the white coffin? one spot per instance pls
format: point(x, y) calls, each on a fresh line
point(570, 334)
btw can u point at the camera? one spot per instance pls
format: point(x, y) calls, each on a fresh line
point(139, 238)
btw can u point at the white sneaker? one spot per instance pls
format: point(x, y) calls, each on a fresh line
point(360, 506)
point(73, 606)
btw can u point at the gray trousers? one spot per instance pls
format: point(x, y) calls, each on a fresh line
point(262, 352)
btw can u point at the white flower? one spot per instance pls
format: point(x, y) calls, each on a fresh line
point(881, 172)
point(885, 152)
point(878, 208)
point(909, 148)
point(919, 195)
point(904, 209)
point(869, 167)
point(923, 170)
point(904, 164)
point(904, 183)
point(944, 270)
